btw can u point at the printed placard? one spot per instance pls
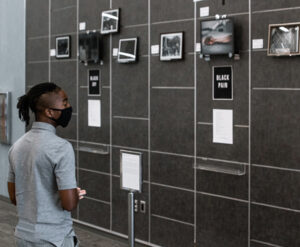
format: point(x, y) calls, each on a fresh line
point(222, 83)
point(131, 170)
point(94, 82)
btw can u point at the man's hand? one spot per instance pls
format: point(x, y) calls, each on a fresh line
point(81, 193)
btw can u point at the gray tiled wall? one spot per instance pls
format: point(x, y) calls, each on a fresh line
point(164, 111)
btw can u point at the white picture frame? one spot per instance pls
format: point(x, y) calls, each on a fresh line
point(171, 46)
point(63, 46)
point(110, 21)
point(283, 39)
point(127, 50)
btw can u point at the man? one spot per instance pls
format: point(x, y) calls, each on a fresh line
point(41, 180)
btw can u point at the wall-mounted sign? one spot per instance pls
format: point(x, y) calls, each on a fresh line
point(131, 170)
point(94, 113)
point(222, 83)
point(223, 126)
point(94, 82)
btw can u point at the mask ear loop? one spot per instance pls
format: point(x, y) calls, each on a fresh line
point(52, 118)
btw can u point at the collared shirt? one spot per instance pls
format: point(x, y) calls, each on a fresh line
point(41, 164)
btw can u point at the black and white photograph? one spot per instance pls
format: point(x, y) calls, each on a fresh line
point(110, 21)
point(171, 46)
point(63, 49)
point(127, 50)
point(283, 40)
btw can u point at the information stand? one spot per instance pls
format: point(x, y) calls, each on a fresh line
point(131, 180)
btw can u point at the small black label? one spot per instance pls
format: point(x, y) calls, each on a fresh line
point(94, 82)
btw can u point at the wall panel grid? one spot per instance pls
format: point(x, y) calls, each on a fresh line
point(164, 111)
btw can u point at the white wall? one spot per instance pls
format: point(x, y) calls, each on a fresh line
point(12, 70)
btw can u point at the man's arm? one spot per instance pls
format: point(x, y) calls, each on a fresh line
point(12, 192)
point(69, 199)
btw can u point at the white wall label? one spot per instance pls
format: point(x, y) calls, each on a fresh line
point(52, 52)
point(154, 49)
point(94, 113)
point(115, 52)
point(204, 11)
point(257, 43)
point(222, 126)
point(82, 26)
point(198, 47)
point(131, 170)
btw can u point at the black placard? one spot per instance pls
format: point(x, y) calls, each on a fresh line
point(222, 83)
point(94, 82)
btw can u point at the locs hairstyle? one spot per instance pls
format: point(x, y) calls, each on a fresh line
point(32, 98)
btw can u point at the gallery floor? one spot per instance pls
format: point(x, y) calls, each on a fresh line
point(88, 238)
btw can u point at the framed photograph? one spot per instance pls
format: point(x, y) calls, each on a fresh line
point(127, 50)
point(171, 46)
point(283, 39)
point(5, 118)
point(63, 47)
point(90, 48)
point(217, 37)
point(110, 21)
point(131, 170)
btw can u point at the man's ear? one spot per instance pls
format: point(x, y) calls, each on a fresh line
point(48, 112)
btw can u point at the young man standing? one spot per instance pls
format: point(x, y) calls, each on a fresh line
point(41, 180)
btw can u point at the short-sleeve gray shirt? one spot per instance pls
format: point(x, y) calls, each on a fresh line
point(41, 164)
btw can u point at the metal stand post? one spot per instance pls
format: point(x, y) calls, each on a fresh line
point(131, 219)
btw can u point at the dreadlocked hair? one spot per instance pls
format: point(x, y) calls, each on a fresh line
point(31, 99)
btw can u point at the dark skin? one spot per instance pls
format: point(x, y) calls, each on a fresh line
point(58, 100)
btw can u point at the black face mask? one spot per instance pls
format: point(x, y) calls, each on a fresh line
point(65, 116)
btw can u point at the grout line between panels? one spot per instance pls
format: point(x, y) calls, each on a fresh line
point(195, 123)
point(77, 98)
point(275, 10)
point(64, 8)
point(172, 187)
point(265, 243)
point(276, 89)
point(276, 168)
point(110, 125)
point(149, 122)
point(249, 117)
point(171, 219)
point(49, 32)
point(95, 171)
point(276, 207)
point(131, 118)
point(223, 197)
point(97, 200)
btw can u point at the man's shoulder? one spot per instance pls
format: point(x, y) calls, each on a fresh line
point(18, 143)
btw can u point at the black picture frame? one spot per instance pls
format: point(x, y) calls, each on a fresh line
point(217, 37)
